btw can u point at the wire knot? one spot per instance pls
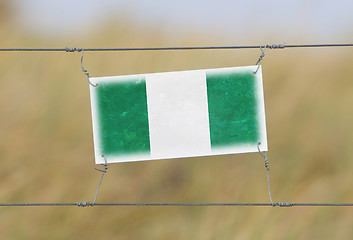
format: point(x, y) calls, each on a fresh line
point(260, 59)
point(267, 164)
point(68, 49)
point(276, 46)
point(263, 48)
point(263, 154)
point(84, 204)
point(105, 164)
point(283, 204)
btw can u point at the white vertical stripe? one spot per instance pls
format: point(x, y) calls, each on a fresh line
point(178, 114)
point(261, 110)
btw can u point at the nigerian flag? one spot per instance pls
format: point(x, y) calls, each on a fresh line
point(178, 114)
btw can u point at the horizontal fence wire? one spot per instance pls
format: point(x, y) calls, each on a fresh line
point(88, 204)
point(271, 46)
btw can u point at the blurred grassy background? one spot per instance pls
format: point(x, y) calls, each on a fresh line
point(47, 146)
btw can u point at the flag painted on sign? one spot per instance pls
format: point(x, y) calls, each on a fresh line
point(178, 114)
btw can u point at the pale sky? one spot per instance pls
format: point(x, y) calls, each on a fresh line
point(315, 20)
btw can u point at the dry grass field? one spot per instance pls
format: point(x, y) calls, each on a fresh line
point(46, 145)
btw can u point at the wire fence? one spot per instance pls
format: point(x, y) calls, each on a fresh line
point(269, 46)
point(262, 47)
point(88, 204)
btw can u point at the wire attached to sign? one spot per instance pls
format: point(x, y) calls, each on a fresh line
point(260, 59)
point(263, 154)
point(273, 46)
point(103, 172)
point(85, 71)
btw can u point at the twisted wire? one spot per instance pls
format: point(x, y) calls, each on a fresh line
point(103, 172)
point(82, 67)
point(263, 154)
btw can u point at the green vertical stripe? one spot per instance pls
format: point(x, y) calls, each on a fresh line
point(232, 108)
point(122, 111)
